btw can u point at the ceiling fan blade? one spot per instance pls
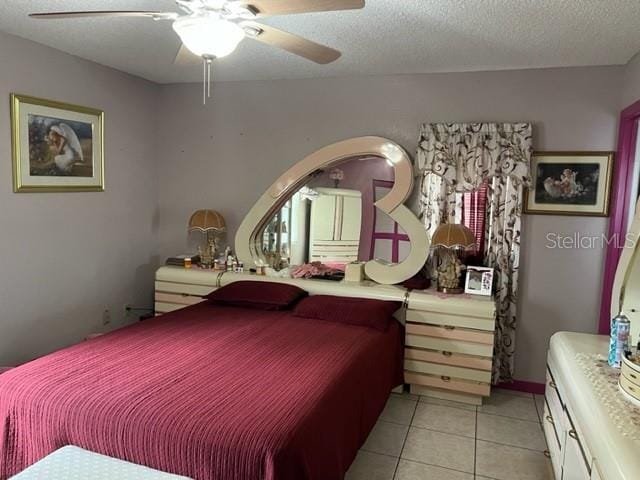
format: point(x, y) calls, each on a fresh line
point(98, 13)
point(186, 57)
point(291, 43)
point(288, 7)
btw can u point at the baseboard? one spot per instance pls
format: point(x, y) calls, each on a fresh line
point(524, 386)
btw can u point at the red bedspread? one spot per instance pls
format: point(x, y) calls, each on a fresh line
point(208, 392)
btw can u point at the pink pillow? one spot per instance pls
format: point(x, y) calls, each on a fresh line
point(258, 295)
point(363, 312)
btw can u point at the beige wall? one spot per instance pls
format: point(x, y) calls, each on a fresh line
point(67, 257)
point(232, 149)
point(631, 82)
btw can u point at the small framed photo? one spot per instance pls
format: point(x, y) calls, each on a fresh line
point(479, 281)
point(570, 183)
point(57, 147)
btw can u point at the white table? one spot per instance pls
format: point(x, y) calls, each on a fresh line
point(74, 463)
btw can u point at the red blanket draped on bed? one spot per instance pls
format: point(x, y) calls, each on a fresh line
point(208, 392)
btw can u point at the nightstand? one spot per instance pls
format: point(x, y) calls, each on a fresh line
point(449, 345)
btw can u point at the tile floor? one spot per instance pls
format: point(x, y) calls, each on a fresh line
point(420, 438)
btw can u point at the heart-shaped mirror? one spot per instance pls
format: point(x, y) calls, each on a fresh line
point(342, 203)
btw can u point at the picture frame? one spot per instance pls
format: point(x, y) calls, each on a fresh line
point(570, 183)
point(57, 147)
point(479, 281)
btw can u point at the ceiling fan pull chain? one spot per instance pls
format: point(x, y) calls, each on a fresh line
point(204, 81)
point(206, 78)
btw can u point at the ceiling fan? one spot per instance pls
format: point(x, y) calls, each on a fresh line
point(211, 29)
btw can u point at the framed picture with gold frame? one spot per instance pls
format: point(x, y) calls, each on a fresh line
point(570, 183)
point(57, 147)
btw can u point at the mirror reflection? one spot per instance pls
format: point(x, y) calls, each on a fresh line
point(332, 219)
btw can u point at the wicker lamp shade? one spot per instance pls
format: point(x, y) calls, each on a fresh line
point(453, 235)
point(207, 221)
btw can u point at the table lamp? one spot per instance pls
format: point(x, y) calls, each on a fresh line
point(449, 241)
point(212, 224)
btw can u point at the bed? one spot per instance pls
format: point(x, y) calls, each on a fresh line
point(208, 392)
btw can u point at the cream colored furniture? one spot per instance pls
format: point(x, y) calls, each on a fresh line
point(583, 439)
point(336, 218)
point(449, 345)
point(248, 242)
point(630, 380)
point(449, 339)
point(177, 287)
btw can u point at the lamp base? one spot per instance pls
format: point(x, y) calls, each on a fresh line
point(451, 291)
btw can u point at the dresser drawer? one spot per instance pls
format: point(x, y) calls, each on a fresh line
point(554, 445)
point(181, 299)
point(448, 345)
point(576, 465)
point(452, 333)
point(631, 371)
point(447, 371)
point(180, 288)
point(447, 383)
point(439, 318)
point(449, 358)
point(630, 387)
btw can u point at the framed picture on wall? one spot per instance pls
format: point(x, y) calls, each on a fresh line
point(57, 147)
point(570, 183)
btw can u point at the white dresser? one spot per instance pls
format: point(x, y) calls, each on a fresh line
point(587, 437)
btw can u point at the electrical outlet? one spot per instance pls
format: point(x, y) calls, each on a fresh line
point(106, 317)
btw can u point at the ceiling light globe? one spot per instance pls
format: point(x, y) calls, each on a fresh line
point(209, 36)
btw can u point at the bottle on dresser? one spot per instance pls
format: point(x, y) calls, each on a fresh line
point(619, 342)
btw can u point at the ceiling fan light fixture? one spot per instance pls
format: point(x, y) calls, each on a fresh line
point(208, 35)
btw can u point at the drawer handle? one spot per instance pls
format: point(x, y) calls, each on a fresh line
point(449, 327)
point(573, 434)
point(550, 419)
point(547, 453)
point(445, 378)
point(631, 388)
point(633, 376)
point(553, 385)
point(184, 294)
point(447, 354)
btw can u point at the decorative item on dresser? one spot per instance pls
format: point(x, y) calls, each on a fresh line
point(630, 378)
point(479, 280)
point(212, 224)
point(449, 345)
point(449, 242)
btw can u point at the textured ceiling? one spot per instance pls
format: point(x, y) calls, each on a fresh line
point(386, 37)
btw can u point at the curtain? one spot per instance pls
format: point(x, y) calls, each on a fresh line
point(458, 158)
point(474, 208)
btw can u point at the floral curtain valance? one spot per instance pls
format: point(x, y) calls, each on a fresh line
point(466, 154)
